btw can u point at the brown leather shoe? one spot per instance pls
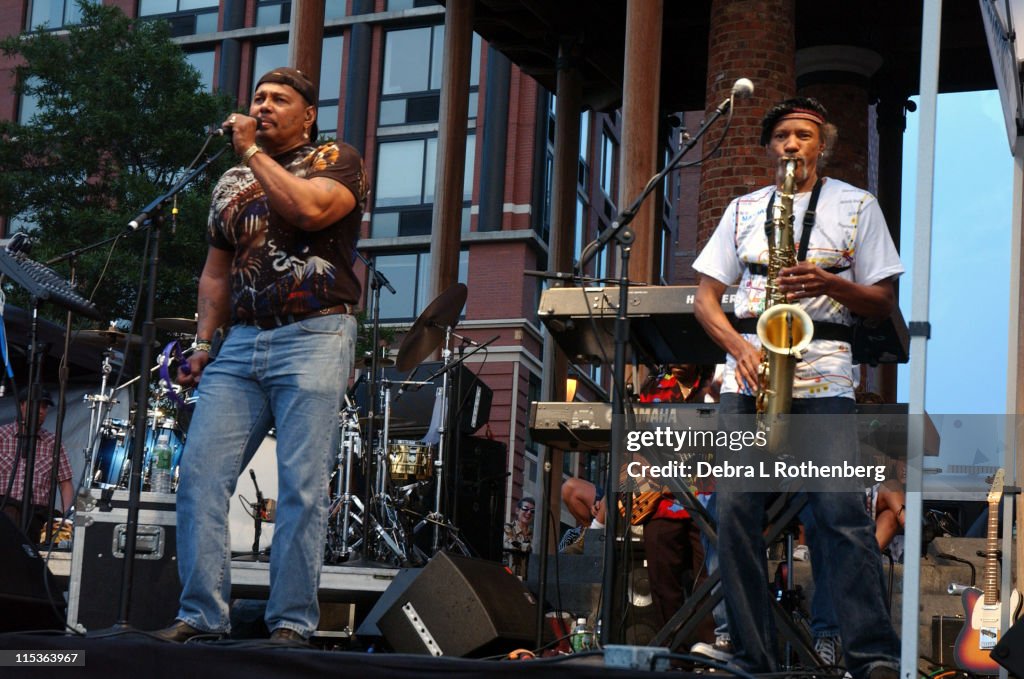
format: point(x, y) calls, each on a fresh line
point(180, 632)
point(283, 635)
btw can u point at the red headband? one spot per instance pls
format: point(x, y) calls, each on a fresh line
point(803, 114)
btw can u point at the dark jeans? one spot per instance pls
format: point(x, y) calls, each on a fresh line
point(847, 541)
point(673, 547)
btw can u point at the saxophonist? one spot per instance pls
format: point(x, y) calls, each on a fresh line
point(844, 264)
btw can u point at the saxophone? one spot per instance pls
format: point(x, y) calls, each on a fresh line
point(784, 329)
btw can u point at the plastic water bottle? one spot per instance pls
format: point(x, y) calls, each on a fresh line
point(160, 469)
point(582, 637)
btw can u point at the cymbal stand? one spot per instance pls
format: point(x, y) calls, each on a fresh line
point(437, 516)
point(99, 406)
point(350, 449)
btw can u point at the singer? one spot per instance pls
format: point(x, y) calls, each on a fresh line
point(282, 231)
point(845, 264)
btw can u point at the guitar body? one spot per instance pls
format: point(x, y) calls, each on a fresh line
point(973, 649)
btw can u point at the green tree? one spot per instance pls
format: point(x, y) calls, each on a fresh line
point(120, 113)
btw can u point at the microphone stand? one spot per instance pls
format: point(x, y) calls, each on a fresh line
point(377, 280)
point(258, 510)
point(621, 232)
point(153, 214)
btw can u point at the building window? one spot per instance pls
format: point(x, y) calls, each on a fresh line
point(186, 17)
point(398, 5)
point(273, 12)
point(274, 55)
point(203, 62)
point(56, 14)
point(277, 12)
point(409, 273)
point(405, 186)
point(411, 88)
point(608, 158)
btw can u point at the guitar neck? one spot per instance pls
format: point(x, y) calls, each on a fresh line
point(991, 577)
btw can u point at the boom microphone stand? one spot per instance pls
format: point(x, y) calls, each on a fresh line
point(151, 214)
point(624, 236)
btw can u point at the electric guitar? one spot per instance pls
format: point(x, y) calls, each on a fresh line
point(644, 505)
point(981, 631)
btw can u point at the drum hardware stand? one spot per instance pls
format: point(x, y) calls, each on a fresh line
point(344, 515)
point(377, 280)
point(262, 510)
point(437, 517)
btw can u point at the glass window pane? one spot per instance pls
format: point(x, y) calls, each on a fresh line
point(385, 224)
point(184, 5)
point(474, 62)
point(406, 61)
point(73, 13)
point(401, 271)
point(147, 7)
point(585, 136)
point(430, 171)
point(474, 98)
point(206, 23)
point(392, 111)
point(327, 120)
point(423, 297)
point(399, 174)
point(50, 12)
point(334, 9)
point(269, 15)
point(330, 68)
point(395, 5)
point(437, 58)
point(467, 180)
point(202, 62)
point(268, 57)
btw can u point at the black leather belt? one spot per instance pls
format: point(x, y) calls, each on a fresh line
point(823, 330)
point(278, 320)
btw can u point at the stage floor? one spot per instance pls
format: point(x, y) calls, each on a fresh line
point(134, 654)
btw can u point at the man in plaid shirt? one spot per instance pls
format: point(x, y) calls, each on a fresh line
point(41, 500)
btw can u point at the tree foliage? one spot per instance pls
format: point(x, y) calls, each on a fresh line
point(120, 114)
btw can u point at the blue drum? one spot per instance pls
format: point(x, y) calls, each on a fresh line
point(112, 464)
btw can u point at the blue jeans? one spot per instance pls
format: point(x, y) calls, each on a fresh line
point(711, 565)
point(823, 616)
point(292, 377)
point(845, 538)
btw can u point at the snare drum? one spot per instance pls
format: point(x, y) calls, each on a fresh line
point(410, 461)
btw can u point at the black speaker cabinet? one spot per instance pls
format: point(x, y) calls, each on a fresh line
point(30, 598)
point(463, 607)
point(1009, 652)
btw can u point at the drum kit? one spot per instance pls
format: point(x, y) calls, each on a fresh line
point(379, 491)
point(383, 524)
point(110, 438)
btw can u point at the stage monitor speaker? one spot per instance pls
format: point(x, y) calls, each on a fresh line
point(1009, 652)
point(368, 628)
point(463, 607)
point(30, 598)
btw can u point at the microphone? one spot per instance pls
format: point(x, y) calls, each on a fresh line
point(218, 131)
point(741, 88)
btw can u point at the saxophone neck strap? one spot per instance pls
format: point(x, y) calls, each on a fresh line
point(809, 216)
point(805, 236)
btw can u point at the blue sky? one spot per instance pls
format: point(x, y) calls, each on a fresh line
point(970, 264)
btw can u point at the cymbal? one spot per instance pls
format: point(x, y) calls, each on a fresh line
point(186, 326)
point(428, 331)
point(366, 362)
point(108, 338)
